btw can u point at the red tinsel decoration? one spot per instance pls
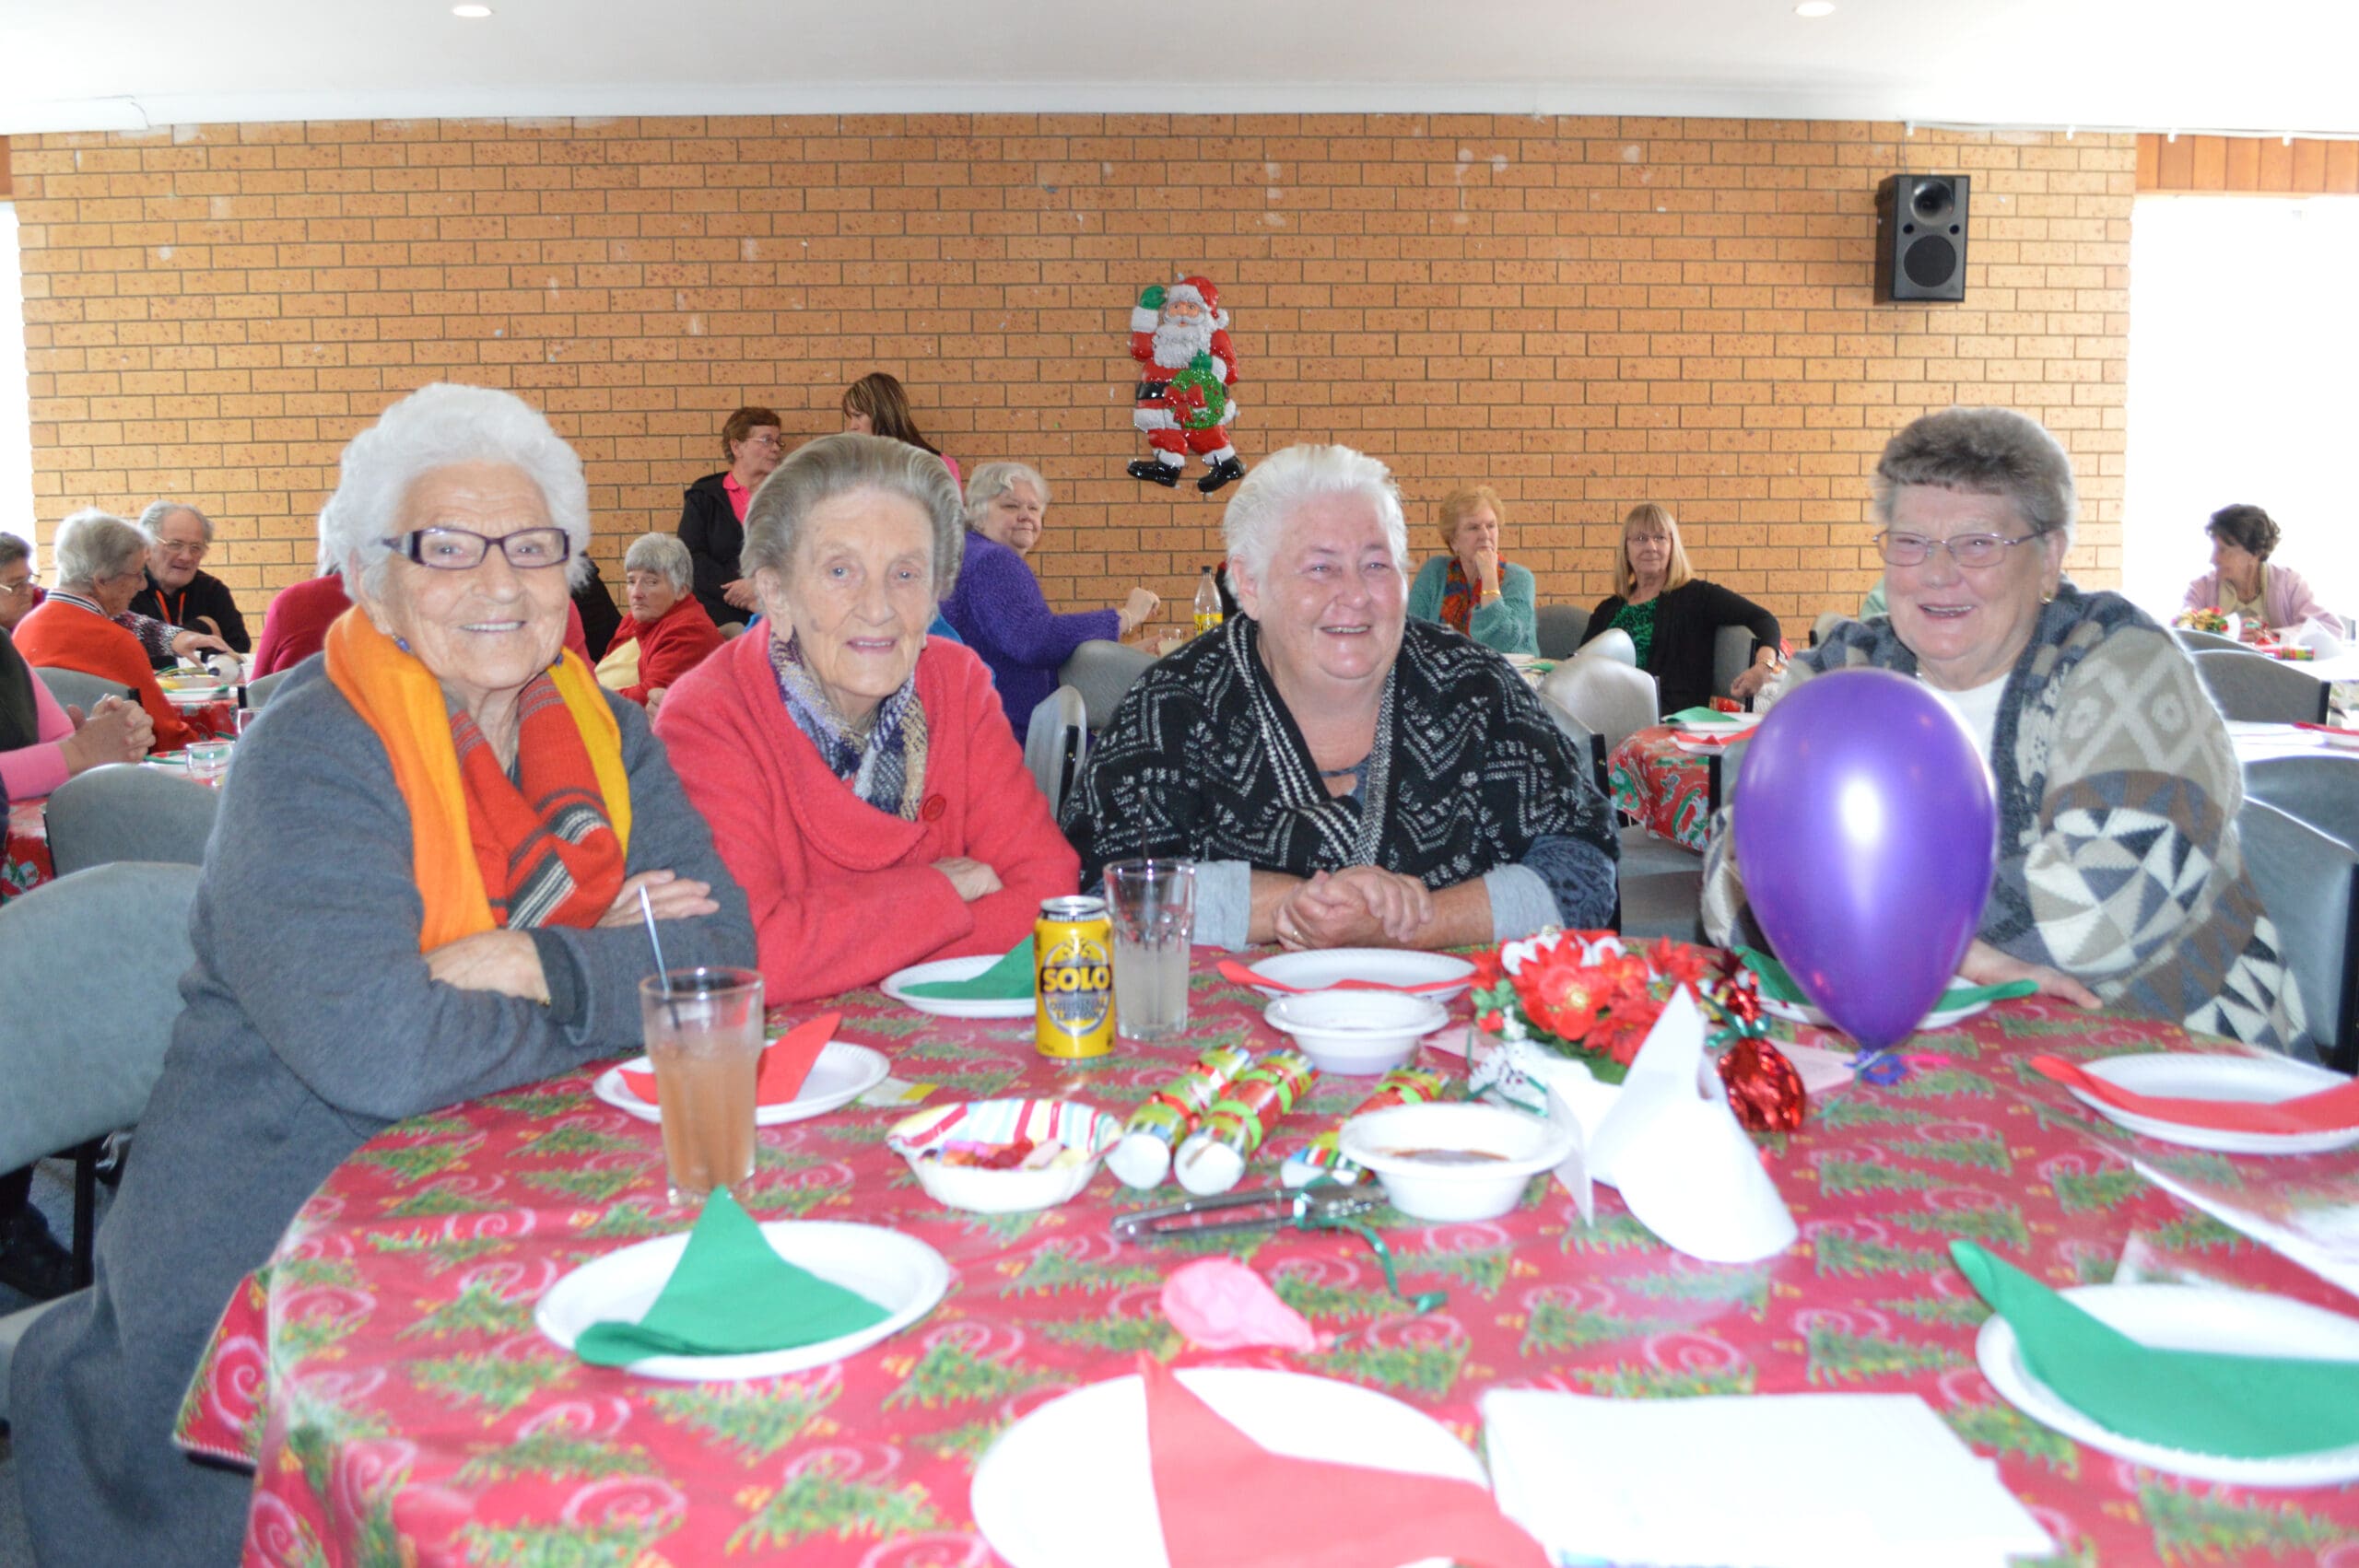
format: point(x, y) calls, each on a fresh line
point(1765, 1090)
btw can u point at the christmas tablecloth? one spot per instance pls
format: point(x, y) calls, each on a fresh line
point(24, 857)
point(384, 1372)
point(1667, 790)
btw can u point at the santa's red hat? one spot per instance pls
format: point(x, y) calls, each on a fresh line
point(1203, 292)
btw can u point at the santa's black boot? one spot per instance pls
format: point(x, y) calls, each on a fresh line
point(1224, 472)
point(1154, 473)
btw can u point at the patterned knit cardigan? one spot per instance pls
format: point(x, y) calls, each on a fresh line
point(2119, 862)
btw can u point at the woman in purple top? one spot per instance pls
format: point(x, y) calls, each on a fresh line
point(997, 608)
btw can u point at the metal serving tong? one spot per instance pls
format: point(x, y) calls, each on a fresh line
point(1252, 1208)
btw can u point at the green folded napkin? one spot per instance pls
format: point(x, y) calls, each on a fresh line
point(730, 1294)
point(1703, 716)
point(2202, 1401)
point(1003, 981)
point(1778, 985)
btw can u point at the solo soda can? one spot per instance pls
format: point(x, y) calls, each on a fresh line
point(1074, 996)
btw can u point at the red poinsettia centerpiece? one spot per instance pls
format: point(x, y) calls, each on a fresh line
point(1588, 995)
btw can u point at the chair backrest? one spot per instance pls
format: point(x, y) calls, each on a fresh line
point(2255, 689)
point(1587, 742)
point(2310, 884)
point(92, 965)
point(2322, 790)
point(1102, 672)
point(124, 811)
point(1732, 651)
point(2192, 640)
point(1054, 743)
point(73, 687)
point(1606, 697)
point(258, 690)
point(1611, 643)
point(1558, 628)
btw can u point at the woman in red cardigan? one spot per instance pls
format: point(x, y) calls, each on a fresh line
point(861, 779)
point(101, 563)
point(668, 632)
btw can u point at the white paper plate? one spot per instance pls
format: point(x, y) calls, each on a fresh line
point(1386, 966)
point(197, 697)
point(1804, 1012)
point(2253, 1080)
point(2186, 1317)
point(1069, 1486)
point(1700, 747)
point(842, 1074)
point(1726, 724)
point(953, 969)
point(898, 1273)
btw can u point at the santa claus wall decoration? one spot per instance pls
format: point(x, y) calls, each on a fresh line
point(1180, 336)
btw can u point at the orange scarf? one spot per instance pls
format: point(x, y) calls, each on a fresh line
point(459, 865)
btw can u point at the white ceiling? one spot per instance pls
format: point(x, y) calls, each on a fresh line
point(2262, 66)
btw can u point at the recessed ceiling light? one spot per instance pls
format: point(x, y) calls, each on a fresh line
point(1816, 8)
point(473, 13)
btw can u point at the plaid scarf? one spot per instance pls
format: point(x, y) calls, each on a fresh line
point(547, 853)
point(882, 759)
point(1458, 594)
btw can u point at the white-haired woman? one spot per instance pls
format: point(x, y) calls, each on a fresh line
point(422, 888)
point(998, 610)
point(668, 632)
point(101, 566)
point(859, 776)
point(1342, 775)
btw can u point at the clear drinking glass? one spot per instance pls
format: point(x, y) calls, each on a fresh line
point(704, 1037)
point(1152, 904)
point(208, 760)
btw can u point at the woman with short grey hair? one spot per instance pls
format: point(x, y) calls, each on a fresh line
point(665, 633)
point(1343, 776)
point(2120, 879)
point(998, 609)
point(101, 565)
point(859, 775)
point(425, 887)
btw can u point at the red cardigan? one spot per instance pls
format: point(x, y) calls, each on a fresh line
point(669, 646)
point(842, 893)
point(66, 637)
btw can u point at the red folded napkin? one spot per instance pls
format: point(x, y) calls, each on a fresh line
point(2324, 729)
point(786, 1063)
point(1226, 1501)
point(1231, 969)
point(2323, 1110)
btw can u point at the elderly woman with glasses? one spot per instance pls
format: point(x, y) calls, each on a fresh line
point(424, 887)
point(101, 565)
point(179, 592)
point(2243, 582)
point(859, 775)
point(712, 513)
point(667, 634)
point(2120, 880)
point(997, 609)
point(1344, 775)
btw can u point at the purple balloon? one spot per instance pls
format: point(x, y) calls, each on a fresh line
point(1866, 834)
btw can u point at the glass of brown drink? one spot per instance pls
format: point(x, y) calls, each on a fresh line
point(704, 1037)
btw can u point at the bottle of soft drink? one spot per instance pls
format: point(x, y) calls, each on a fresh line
point(1207, 602)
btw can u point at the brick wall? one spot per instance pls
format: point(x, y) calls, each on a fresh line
point(1584, 312)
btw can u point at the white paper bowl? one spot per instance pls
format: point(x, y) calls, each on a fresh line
point(1003, 1121)
point(1397, 1145)
point(1355, 1033)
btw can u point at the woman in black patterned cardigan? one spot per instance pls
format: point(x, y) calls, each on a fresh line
point(1341, 775)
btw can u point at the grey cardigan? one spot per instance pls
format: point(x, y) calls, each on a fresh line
point(310, 1025)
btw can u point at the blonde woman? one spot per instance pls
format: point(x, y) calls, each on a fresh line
point(1471, 589)
point(1673, 615)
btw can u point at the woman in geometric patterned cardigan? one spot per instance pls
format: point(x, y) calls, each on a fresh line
point(2120, 880)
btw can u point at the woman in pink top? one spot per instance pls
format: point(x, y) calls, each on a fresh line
point(43, 745)
point(2244, 580)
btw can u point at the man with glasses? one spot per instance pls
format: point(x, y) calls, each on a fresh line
point(179, 592)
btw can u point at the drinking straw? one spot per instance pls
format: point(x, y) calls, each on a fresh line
point(662, 972)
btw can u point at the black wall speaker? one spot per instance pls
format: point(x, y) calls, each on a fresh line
point(1920, 237)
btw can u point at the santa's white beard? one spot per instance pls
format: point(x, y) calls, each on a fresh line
point(1176, 342)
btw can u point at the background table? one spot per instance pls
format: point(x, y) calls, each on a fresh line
point(1668, 792)
point(24, 856)
point(384, 1370)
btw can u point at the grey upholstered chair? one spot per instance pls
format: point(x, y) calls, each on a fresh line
point(1731, 652)
point(1609, 698)
point(2253, 687)
point(2310, 884)
point(74, 688)
point(93, 966)
point(1054, 743)
point(2322, 790)
point(126, 811)
point(1557, 629)
point(1101, 671)
point(258, 692)
point(2192, 640)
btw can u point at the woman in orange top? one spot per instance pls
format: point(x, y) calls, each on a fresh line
point(101, 565)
